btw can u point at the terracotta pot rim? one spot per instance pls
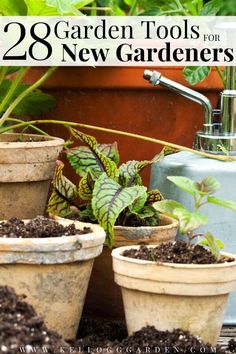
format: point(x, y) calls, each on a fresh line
point(116, 254)
point(46, 140)
point(91, 239)
point(170, 224)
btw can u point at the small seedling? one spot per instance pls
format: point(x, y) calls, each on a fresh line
point(189, 221)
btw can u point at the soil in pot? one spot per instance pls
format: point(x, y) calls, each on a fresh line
point(131, 220)
point(176, 252)
point(232, 346)
point(111, 336)
point(21, 329)
point(108, 304)
point(39, 227)
point(51, 263)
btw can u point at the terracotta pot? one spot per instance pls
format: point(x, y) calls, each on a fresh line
point(53, 273)
point(104, 296)
point(120, 98)
point(26, 170)
point(168, 296)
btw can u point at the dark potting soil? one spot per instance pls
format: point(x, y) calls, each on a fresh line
point(22, 330)
point(232, 346)
point(105, 329)
point(131, 220)
point(147, 340)
point(39, 227)
point(175, 252)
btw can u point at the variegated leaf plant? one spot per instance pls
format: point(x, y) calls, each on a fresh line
point(110, 194)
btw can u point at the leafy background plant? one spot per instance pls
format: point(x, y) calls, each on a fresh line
point(118, 7)
point(189, 221)
point(21, 99)
point(110, 194)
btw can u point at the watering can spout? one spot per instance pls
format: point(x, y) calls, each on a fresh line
point(155, 78)
point(215, 137)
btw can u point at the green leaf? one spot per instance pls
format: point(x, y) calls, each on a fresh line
point(139, 203)
point(82, 158)
point(149, 214)
point(189, 221)
point(228, 8)
point(35, 103)
point(12, 8)
point(64, 191)
point(222, 202)
point(154, 196)
point(57, 205)
point(87, 215)
point(12, 69)
point(65, 7)
point(209, 185)
point(129, 171)
point(86, 185)
point(186, 184)
point(222, 148)
point(218, 242)
point(155, 11)
point(168, 150)
point(211, 8)
point(196, 74)
point(213, 244)
point(167, 206)
point(104, 163)
point(128, 174)
point(109, 200)
point(40, 8)
point(146, 212)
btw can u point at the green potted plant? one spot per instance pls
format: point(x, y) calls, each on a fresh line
point(185, 285)
point(112, 196)
point(115, 198)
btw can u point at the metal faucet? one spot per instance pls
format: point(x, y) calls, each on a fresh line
point(216, 138)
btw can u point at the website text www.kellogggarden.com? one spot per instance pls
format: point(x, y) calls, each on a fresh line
point(114, 350)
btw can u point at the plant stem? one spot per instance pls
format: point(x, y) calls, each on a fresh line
point(38, 130)
point(89, 8)
point(31, 88)
point(3, 72)
point(220, 74)
point(122, 133)
point(133, 8)
point(158, 141)
point(94, 9)
point(181, 8)
point(14, 85)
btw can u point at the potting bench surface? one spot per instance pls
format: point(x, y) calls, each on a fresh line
point(227, 333)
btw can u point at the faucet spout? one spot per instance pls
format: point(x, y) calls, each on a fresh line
point(155, 78)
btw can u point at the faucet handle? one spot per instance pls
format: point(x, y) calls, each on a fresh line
point(154, 77)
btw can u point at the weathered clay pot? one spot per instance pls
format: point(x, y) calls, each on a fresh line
point(26, 170)
point(53, 273)
point(168, 296)
point(104, 296)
